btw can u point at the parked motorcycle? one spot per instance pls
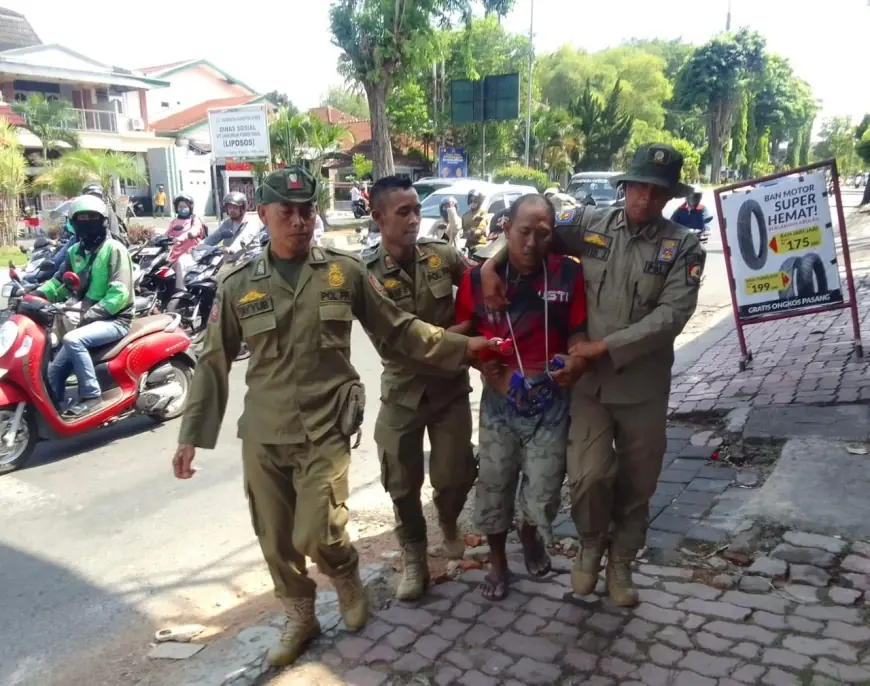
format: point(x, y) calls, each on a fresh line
point(360, 208)
point(157, 279)
point(148, 372)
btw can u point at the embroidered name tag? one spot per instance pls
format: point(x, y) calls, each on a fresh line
point(335, 296)
point(594, 252)
point(260, 306)
point(657, 268)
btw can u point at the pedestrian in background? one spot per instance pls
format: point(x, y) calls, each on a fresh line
point(294, 306)
point(418, 274)
point(642, 274)
point(160, 202)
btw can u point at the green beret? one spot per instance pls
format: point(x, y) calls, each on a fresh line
point(289, 185)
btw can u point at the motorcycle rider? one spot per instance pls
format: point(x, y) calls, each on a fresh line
point(692, 214)
point(117, 228)
point(474, 222)
point(106, 293)
point(188, 232)
point(235, 205)
point(447, 229)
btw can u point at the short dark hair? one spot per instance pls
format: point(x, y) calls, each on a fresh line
point(386, 185)
point(536, 198)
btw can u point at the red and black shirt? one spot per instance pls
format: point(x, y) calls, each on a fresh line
point(566, 310)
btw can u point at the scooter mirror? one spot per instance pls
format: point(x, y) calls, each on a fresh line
point(11, 264)
point(71, 280)
point(22, 249)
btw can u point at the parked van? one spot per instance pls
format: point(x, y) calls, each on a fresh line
point(594, 188)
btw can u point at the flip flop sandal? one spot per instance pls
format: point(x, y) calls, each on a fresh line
point(543, 547)
point(500, 589)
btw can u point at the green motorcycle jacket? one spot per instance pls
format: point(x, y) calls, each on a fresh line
point(107, 282)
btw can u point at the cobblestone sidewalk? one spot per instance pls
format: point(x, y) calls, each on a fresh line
point(799, 619)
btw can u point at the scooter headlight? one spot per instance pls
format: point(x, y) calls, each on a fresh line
point(8, 334)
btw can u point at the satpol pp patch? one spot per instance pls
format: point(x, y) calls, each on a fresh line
point(566, 216)
point(335, 278)
point(694, 269)
point(667, 250)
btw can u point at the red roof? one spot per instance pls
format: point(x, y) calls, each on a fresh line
point(163, 67)
point(197, 114)
point(6, 112)
point(359, 129)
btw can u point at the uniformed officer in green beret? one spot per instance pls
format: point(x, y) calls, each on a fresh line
point(294, 306)
point(419, 275)
point(642, 274)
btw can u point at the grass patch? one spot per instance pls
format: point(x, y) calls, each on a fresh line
point(9, 252)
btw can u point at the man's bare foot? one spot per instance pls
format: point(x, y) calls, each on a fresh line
point(495, 584)
point(534, 551)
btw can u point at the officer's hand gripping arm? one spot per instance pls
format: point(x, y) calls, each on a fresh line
point(209, 389)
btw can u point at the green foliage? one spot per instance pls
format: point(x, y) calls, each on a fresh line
point(408, 112)
point(522, 175)
point(838, 141)
point(348, 100)
point(643, 134)
point(861, 129)
point(362, 167)
point(83, 166)
point(761, 165)
point(13, 181)
point(604, 126)
point(806, 141)
point(863, 147)
point(51, 121)
point(288, 132)
point(281, 100)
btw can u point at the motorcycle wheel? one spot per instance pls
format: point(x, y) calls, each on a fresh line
point(184, 376)
point(25, 442)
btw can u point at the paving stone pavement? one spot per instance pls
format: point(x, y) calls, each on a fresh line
point(798, 360)
point(683, 632)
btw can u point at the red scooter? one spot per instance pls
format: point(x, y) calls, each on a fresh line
point(148, 372)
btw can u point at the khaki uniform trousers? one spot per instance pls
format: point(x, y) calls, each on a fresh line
point(452, 465)
point(298, 500)
point(615, 455)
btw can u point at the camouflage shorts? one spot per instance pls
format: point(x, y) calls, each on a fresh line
point(524, 452)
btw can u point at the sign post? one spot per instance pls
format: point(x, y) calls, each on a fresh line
point(780, 249)
point(237, 133)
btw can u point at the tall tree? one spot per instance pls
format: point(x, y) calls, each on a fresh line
point(739, 132)
point(380, 38)
point(13, 182)
point(604, 126)
point(281, 100)
point(837, 140)
point(713, 78)
point(408, 112)
point(51, 121)
point(350, 101)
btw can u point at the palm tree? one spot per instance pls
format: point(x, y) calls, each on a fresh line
point(13, 181)
point(51, 121)
point(288, 133)
point(323, 139)
point(101, 166)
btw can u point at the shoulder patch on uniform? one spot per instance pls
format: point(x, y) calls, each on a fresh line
point(317, 254)
point(695, 268)
point(423, 240)
point(566, 216)
point(378, 286)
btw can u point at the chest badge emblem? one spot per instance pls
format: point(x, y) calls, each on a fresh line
point(336, 278)
point(251, 296)
point(434, 262)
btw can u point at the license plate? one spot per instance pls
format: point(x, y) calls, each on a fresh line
point(147, 252)
point(6, 291)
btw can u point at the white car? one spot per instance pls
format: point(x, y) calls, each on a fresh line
point(496, 197)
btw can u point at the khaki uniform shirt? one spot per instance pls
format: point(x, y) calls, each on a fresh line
point(641, 290)
point(299, 340)
point(474, 227)
point(429, 295)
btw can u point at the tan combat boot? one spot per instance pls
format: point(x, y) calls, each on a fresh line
point(454, 546)
point(415, 572)
point(619, 583)
point(353, 601)
point(301, 627)
point(587, 565)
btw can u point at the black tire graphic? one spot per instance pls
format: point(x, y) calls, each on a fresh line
point(811, 264)
point(752, 259)
point(790, 266)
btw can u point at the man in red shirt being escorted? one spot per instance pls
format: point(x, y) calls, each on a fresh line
point(524, 410)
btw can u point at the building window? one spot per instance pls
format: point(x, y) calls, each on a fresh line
point(21, 96)
point(164, 104)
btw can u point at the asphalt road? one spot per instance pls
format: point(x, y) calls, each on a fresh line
point(100, 543)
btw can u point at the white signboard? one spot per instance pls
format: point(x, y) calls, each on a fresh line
point(782, 250)
point(240, 133)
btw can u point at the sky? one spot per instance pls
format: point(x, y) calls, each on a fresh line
point(285, 44)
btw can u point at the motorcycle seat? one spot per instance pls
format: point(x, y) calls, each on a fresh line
point(140, 303)
point(140, 328)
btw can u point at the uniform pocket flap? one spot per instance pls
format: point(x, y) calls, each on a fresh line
point(257, 324)
point(336, 312)
point(442, 288)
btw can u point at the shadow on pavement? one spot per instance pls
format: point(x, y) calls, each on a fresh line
point(29, 652)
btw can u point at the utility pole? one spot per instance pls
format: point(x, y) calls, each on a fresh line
point(531, 69)
point(728, 21)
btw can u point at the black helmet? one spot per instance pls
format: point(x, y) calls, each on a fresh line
point(236, 198)
point(94, 189)
point(444, 204)
point(183, 196)
point(473, 195)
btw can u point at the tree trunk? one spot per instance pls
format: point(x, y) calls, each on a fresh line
point(716, 145)
point(382, 149)
point(866, 198)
